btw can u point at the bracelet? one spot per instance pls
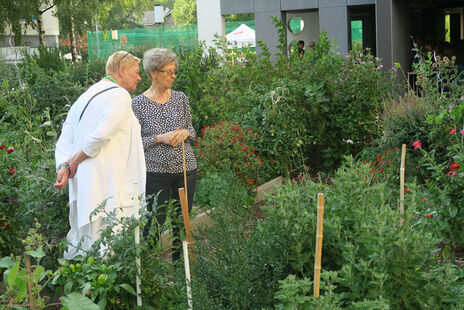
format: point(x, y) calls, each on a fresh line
point(65, 165)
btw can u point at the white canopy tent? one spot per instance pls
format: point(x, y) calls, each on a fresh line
point(242, 36)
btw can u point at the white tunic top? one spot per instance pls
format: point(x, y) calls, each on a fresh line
point(110, 135)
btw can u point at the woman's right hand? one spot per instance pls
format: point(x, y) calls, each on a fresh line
point(164, 138)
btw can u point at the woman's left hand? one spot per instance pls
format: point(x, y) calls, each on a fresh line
point(178, 136)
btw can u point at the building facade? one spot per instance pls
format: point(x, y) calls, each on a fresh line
point(387, 25)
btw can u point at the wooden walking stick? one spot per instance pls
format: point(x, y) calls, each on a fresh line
point(317, 259)
point(189, 243)
point(403, 158)
point(184, 204)
point(137, 242)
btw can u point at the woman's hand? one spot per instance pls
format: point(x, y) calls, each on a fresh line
point(178, 136)
point(164, 138)
point(62, 178)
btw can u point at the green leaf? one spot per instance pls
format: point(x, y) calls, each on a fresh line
point(6, 262)
point(39, 253)
point(39, 273)
point(128, 288)
point(13, 274)
point(76, 301)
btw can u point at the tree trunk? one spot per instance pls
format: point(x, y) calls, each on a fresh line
point(72, 38)
point(40, 28)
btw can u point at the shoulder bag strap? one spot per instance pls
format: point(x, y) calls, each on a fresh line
point(94, 97)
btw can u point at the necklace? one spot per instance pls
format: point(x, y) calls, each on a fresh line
point(154, 96)
point(111, 79)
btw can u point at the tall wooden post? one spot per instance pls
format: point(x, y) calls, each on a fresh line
point(319, 233)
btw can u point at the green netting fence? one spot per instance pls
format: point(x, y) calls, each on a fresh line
point(102, 44)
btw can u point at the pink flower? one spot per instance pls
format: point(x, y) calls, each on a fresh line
point(453, 131)
point(424, 199)
point(416, 144)
point(293, 181)
point(461, 132)
point(12, 171)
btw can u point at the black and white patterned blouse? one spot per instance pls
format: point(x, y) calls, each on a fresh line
point(155, 119)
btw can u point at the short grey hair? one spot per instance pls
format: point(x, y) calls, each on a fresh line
point(120, 58)
point(156, 58)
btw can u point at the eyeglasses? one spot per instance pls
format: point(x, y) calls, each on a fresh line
point(169, 72)
point(119, 62)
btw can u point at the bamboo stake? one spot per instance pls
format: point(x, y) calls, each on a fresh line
point(403, 158)
point(187, 275)
point(29, 285)
point(137, 242)
point(319, 233)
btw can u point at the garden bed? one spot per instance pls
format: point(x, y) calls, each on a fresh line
point(203, 219)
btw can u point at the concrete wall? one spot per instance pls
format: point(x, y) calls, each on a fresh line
point(210, 21)
point(236, 7)
point(264, 27)
point(333, 18)
point(401, 30)
point(290, 5)
point(310, 30)
point(383, 12)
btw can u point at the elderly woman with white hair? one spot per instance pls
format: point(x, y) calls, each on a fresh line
point(165, 118)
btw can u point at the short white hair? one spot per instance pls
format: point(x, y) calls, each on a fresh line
point(118, 59)
point(156, 58)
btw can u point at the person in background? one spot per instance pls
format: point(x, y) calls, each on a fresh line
point(312, 45)
point(100, 152)
point(301, 50)
point(164, 115)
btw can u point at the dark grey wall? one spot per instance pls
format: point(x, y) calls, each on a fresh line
point(289, 5)
point(333, 18)
point(359, 2)
point(401, 30)
point(236, 7)
point(383, 12)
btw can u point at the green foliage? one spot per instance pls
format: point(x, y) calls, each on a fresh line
point(185, 12)
point(227, 147)
point(20, 274)
point(369, 260)
point(444, 198)
point(219, 189)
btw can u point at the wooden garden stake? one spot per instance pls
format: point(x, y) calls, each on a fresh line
point(403, 158)
point(29, 285)
point(319, 233)
point(187, 274)
point(137, 242)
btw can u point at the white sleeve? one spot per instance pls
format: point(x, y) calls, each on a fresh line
point(115, 116)
point(64, 145)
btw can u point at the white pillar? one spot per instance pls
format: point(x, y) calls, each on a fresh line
point(210, 21)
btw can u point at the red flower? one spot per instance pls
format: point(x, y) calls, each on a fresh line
point(428, 215)
point(453, 131)
point(10, 150)
point(406, 190)
point(2, 146)
point(5, 224)
point(11, 170)
point(455, 166)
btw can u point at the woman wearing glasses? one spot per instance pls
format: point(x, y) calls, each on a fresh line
point(165, 118)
